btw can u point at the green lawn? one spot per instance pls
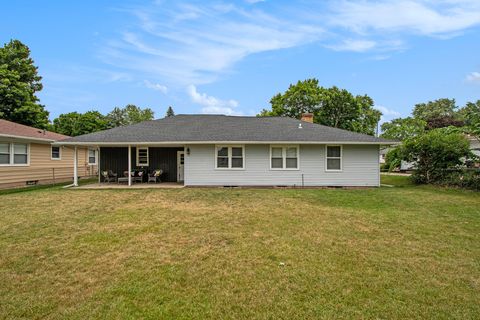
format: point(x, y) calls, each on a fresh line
point(396, 253)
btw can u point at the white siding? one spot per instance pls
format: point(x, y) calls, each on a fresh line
point(360, 168)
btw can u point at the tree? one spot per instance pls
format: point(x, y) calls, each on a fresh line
point(74, 123)
point(471, 116)
point(435, 109)
point(170, 112)
point(303, 97)
point(435, 152)
point(330, 106)
point(116, 117)
point(129, 115)
point(403, 128)
point(19, 80)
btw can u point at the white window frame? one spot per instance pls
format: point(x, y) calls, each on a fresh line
point(148, 156)
point(12, 155)
point(96, 156)
point(229, 156)
point(284, 157)
point(59, 153)
point(327, 157)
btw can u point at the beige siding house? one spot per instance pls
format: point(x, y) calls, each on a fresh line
point(28, 157)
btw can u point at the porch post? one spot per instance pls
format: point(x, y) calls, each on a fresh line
point(98, 165)
point(75, 167)
point(129, 165)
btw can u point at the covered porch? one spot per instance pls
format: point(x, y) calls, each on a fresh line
point(138, 166)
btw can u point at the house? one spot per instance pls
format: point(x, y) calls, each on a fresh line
point(219, 150)
point(27, 157)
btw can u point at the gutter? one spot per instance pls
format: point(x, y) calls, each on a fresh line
point(153, 143)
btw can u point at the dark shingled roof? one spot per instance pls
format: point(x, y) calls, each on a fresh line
point(209, 128)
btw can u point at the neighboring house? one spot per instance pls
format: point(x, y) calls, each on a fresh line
point(474, 145)
point(218, 150)
point(27, 157)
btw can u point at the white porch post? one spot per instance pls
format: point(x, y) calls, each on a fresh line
point(129, 165)
point(98, 165)
point(75, 167)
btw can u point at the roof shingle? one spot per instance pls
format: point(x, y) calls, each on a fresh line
point(9, 128)
point(211, 128)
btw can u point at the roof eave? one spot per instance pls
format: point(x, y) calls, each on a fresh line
point(143, 143)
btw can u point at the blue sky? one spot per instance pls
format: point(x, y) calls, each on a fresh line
point(232, 57)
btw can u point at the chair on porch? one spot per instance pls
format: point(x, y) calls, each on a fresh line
point(109, 176)
point(155, 176)
point(138, 177)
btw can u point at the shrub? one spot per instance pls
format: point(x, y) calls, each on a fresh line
point(393, 159)
point(436, 152)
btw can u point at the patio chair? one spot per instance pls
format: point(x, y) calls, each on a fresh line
point(138, 177)
point(155, 176)
point(109, 176)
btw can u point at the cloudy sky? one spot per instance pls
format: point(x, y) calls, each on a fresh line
point(232, 57)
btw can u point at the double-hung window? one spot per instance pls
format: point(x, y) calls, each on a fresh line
point(334, 158)
point(5, 153)
point(13, 154)
point(142, 156)
point(55, 153)
point(284, 157)
point(229, 157)
point(92, 156)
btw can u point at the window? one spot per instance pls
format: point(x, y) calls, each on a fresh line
point(334, 158)
point(14, 154)
point(92, 156)
point(142, 157)
point(20, 153)
point(229, 157)
point(4, 153)
point(55, 153)
point(284, 157)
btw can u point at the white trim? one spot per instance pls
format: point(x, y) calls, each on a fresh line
point(88, 156)
point(59, 152)
point(284, 157)
point(340, 158)
point(75, 167)
point(3, 135)
point(229, 156)
point(12, 155)
point(130, 165)
point(141, 143)
point(148, 155)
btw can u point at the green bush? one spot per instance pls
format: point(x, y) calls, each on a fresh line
point(464, 179)
point(435, 153)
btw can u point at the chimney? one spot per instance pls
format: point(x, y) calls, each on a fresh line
point(307, 117)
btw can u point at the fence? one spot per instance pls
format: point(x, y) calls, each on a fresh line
point(20, 176)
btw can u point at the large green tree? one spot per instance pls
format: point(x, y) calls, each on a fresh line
point(333, 107)
point(403, 128)
point(19, 81)
point(129, 115)
point(74, 123)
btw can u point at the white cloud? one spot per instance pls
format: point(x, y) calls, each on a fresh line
point(156, 86)
point(387, 112)
point(196, 43)
point(353, 45)
point(421, 16)
point(473, 77)
point(211, 104)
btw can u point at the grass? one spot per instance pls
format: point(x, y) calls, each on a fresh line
point(396, 253)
